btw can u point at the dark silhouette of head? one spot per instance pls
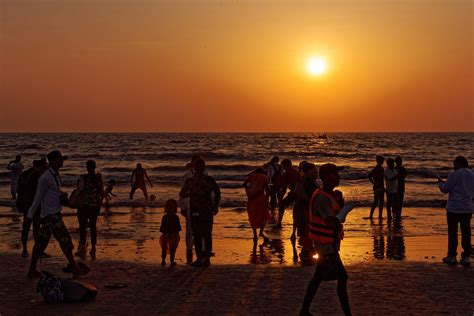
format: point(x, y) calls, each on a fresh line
point(18, 158)
point(171, 207)
point(90, 165)
point(379, 159)
point(399, 161)
point(301, 165)
point(259, 170)
point(139, 165)
point(275, 159)
point(112, 182)
point(286, 163)
point(308, 167)
point(460, 162)
point(329, 174)
point(199, 166)
point(56, 159)
point(390, 162)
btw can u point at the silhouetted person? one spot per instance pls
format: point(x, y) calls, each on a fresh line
point(274, 173)
point(16, 167)
point(91, 190)
point(460, 187)
point(199, 189)
point(303, 192)
point(257, 190)
point(402, 174)
point(26, 190)
point(391, 185)
point(170, 228)
point(326, 232)
point(376, 177)
point(108, 192)
point(289, 179)
point(138, 181)
point(49, 197)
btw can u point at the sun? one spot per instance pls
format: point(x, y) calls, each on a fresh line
point(317, 66)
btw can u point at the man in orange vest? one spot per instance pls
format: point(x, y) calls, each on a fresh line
point(326, 233)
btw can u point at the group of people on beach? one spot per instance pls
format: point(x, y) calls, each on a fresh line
point(316, 210)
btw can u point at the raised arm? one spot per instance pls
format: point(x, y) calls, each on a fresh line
point(447, 186)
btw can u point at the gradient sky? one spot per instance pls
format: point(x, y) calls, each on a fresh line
point(115, 65)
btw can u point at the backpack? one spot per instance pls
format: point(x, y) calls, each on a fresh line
point(51, 288)
point(75, 199)
point(78, 291)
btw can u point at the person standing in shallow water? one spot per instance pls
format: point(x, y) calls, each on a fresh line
point(91, 189)
point(273, 172)
point(257, 190)
point(199, 189)
point(460, 187)
point(326, 232)
point(376, 177)
point(402, 174)
point(289, 179)
point(137, 181)
point(391, 182)
point(16, 167)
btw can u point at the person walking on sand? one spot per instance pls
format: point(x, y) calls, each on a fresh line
point(460, 187)
point(27, 186)
point(257, 190)
point(274, 172)
point(16, 167)
point(185, 207)
point(91, 190)
point(303, 192)
point(402, 174)
point(391, 183)
point(199, 189)
point(49, 197)
point(137, 181)
point(170, 228)
point(376, 177)
point(289, 179)
point(327, 231)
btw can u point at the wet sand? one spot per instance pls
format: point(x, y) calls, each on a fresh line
point(392, 270)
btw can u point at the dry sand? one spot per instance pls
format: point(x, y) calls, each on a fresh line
point(378, 287)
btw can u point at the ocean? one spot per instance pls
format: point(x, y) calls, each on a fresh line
point(231, 156)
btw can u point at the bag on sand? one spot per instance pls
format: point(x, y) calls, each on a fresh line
point(56, 290)
point(78, 291)
point(51, 288)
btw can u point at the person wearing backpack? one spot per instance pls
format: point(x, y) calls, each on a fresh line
point(91, 190)
point(26, 190)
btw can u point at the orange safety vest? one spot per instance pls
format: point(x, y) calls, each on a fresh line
point(319, 231)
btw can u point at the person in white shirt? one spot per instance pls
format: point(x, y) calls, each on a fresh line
point(49, 197)
point(460, 187)
point(391, 187)
point(16, 168)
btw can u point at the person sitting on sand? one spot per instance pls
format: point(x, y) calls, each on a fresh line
point(108, 192)
point(391, 185)
point(376, 177)
point(137, 181)
point(199, 188)
point(289, 179)
point(460, 187)
point(50, 198)
point(326, 231)
point(170, 228)
point(257, 190)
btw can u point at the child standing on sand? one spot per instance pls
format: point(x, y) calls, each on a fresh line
point(170, 228)
point(108, 192)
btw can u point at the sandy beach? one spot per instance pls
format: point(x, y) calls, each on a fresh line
point(390, 272)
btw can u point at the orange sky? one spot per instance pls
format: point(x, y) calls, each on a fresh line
point(131, 65)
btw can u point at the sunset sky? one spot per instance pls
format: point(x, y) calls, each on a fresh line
point(118, 65)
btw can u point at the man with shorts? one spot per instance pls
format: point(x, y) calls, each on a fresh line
point(326, 231)
point(50, 197)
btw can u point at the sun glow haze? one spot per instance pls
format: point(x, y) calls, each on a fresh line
point(317, 66)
